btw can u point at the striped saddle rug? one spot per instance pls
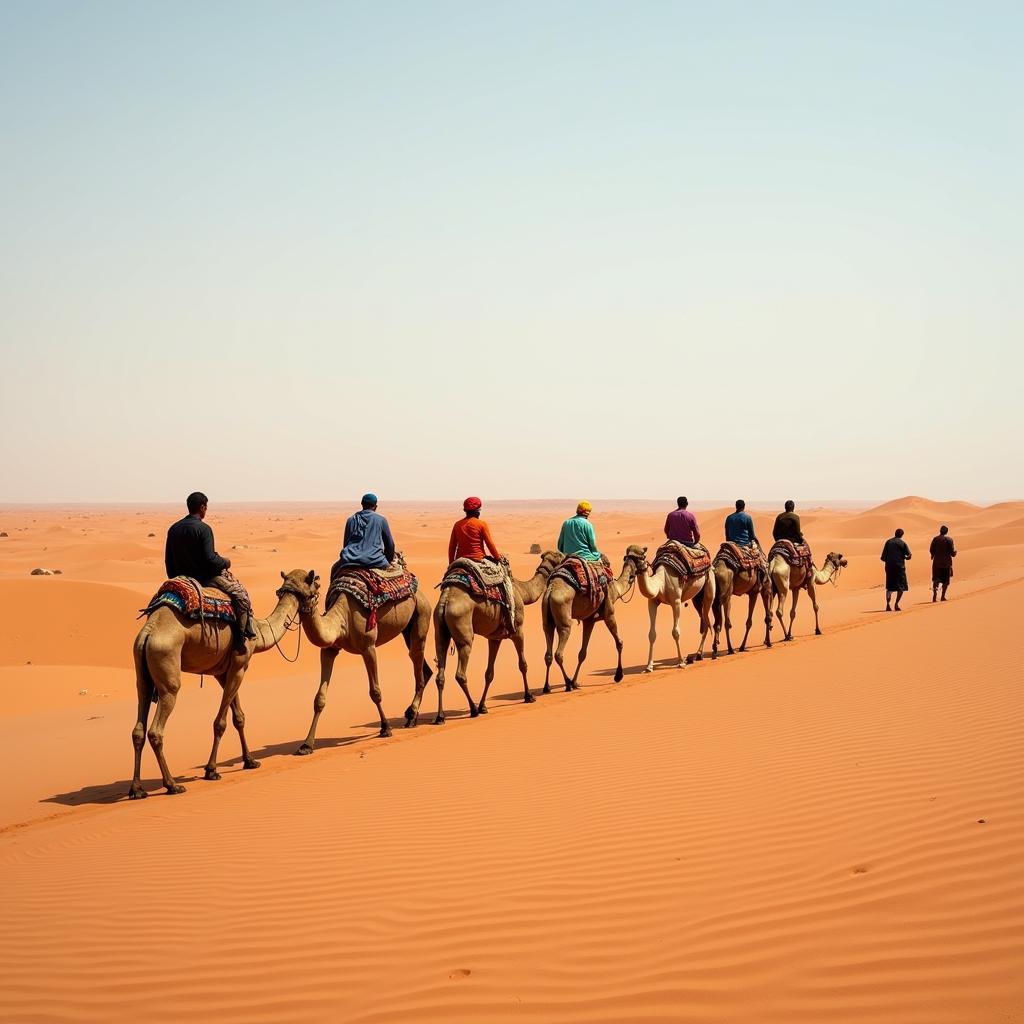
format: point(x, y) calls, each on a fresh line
point(682, 560)
point(187, 596)
point(372, 588)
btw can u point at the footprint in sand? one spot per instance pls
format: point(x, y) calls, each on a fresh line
point(460, 972)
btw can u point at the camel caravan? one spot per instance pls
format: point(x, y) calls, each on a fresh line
point(200, 620)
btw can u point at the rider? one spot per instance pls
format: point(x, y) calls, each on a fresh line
point(787, 525)
point(190, 552)
point(368, 543)
point(739, 527)
point(681, 524)
point(471, 535)
point(577, 536)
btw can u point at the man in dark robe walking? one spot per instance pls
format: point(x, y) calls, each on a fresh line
point(895, 554)
point(943, 551)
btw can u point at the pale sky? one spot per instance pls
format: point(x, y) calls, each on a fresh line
point(299, 251)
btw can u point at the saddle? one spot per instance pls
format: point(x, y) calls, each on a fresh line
point(798, 555)
point(682, 560)
point(372, 588)
point(587, 578)
point(188, 597)
point(741, 559)
point(486, 579)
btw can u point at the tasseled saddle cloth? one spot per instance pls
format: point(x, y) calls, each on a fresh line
point(682, 560)
point(798, 555)
point(372, 588)
point(486, 579)
point(185, 595)
point(587, 578)
point(741, 559)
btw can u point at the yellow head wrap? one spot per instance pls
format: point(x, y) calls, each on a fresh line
point(584, 506)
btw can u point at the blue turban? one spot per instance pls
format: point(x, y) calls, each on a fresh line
point(369, 499)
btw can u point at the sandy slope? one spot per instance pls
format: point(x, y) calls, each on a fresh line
point(789, 835)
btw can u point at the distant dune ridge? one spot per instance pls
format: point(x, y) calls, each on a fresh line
point(829, 831)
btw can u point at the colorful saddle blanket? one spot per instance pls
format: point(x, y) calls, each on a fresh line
point(372, 588)
point(588, 578)
point(798, 555)
point(482, 579)
point(187, 596)
point(742, 559)
point(681, 560)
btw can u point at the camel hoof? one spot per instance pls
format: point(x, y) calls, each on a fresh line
point(137, 793)
point(212, 775)
point(175, 789)
point(547, 689)
point(304, 751)
point(385, 732)
point(568, 687)
point(528, 698)
point(618, 675)
point(650, 668)
point(440, 720)
point(817, 632)
point(251, 764)
point(411, 718)
point(743, 649)
point(481, 709)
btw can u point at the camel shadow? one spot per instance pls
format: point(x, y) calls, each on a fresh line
point(110, 792)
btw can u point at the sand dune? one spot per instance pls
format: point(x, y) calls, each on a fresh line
point(825, 832)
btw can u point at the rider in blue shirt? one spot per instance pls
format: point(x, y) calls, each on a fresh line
point(739, 527)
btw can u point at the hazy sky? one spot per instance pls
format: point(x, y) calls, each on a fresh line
point(288, 251)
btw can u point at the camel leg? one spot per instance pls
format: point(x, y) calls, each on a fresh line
point(782, 588)
point(726, 610)
point(703, 612)
point(493, 646)
point(230, 682)
point(717, 607)
point(464, 647)
point(441, 640)
point(677, 610)
point(519, 642)
point(238, 718)
point(145, 693)
point(752, 601)
point(792, 615)
point(588, 629)
point(652, 634)
point(563, 639)
point(370, 661)
point(613, 627)
point(766, 600)
point(420, 673)
point(164, 707)
point(327, 657)
point(549, 642)
point(814, 604)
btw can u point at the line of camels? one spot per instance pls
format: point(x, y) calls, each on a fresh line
point(170, 644)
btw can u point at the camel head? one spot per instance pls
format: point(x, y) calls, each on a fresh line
point(304, 585)
point(549, 562)
point(836, 561)
point(637, 556)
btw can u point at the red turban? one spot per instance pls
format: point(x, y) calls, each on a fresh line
point(472, 504)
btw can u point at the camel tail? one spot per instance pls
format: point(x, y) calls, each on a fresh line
point(143, 677)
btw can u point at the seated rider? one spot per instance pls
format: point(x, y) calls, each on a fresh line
point(190, 552)
point(368, 543)
point(681, 524)
point(787, 526)
point(471, 535)
point(577, 536)
point(739, 527)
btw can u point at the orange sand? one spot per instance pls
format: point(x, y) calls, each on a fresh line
point(827, 831)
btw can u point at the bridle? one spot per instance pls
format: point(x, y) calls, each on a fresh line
point(639, 564)
point(307, 602)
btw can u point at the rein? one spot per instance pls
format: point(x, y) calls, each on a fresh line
point(289, 626)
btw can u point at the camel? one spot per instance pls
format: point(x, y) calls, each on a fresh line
point(729, 583)
point(169, 644)
point(344, 627)
point(663, 586)
point(786, 579)
point(561, 604)
point(461, 616)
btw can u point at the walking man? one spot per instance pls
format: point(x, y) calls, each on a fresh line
point(943, 551)
point(895, 554)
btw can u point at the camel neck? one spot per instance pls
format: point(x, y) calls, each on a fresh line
point(273, 628)
point(328, 629)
